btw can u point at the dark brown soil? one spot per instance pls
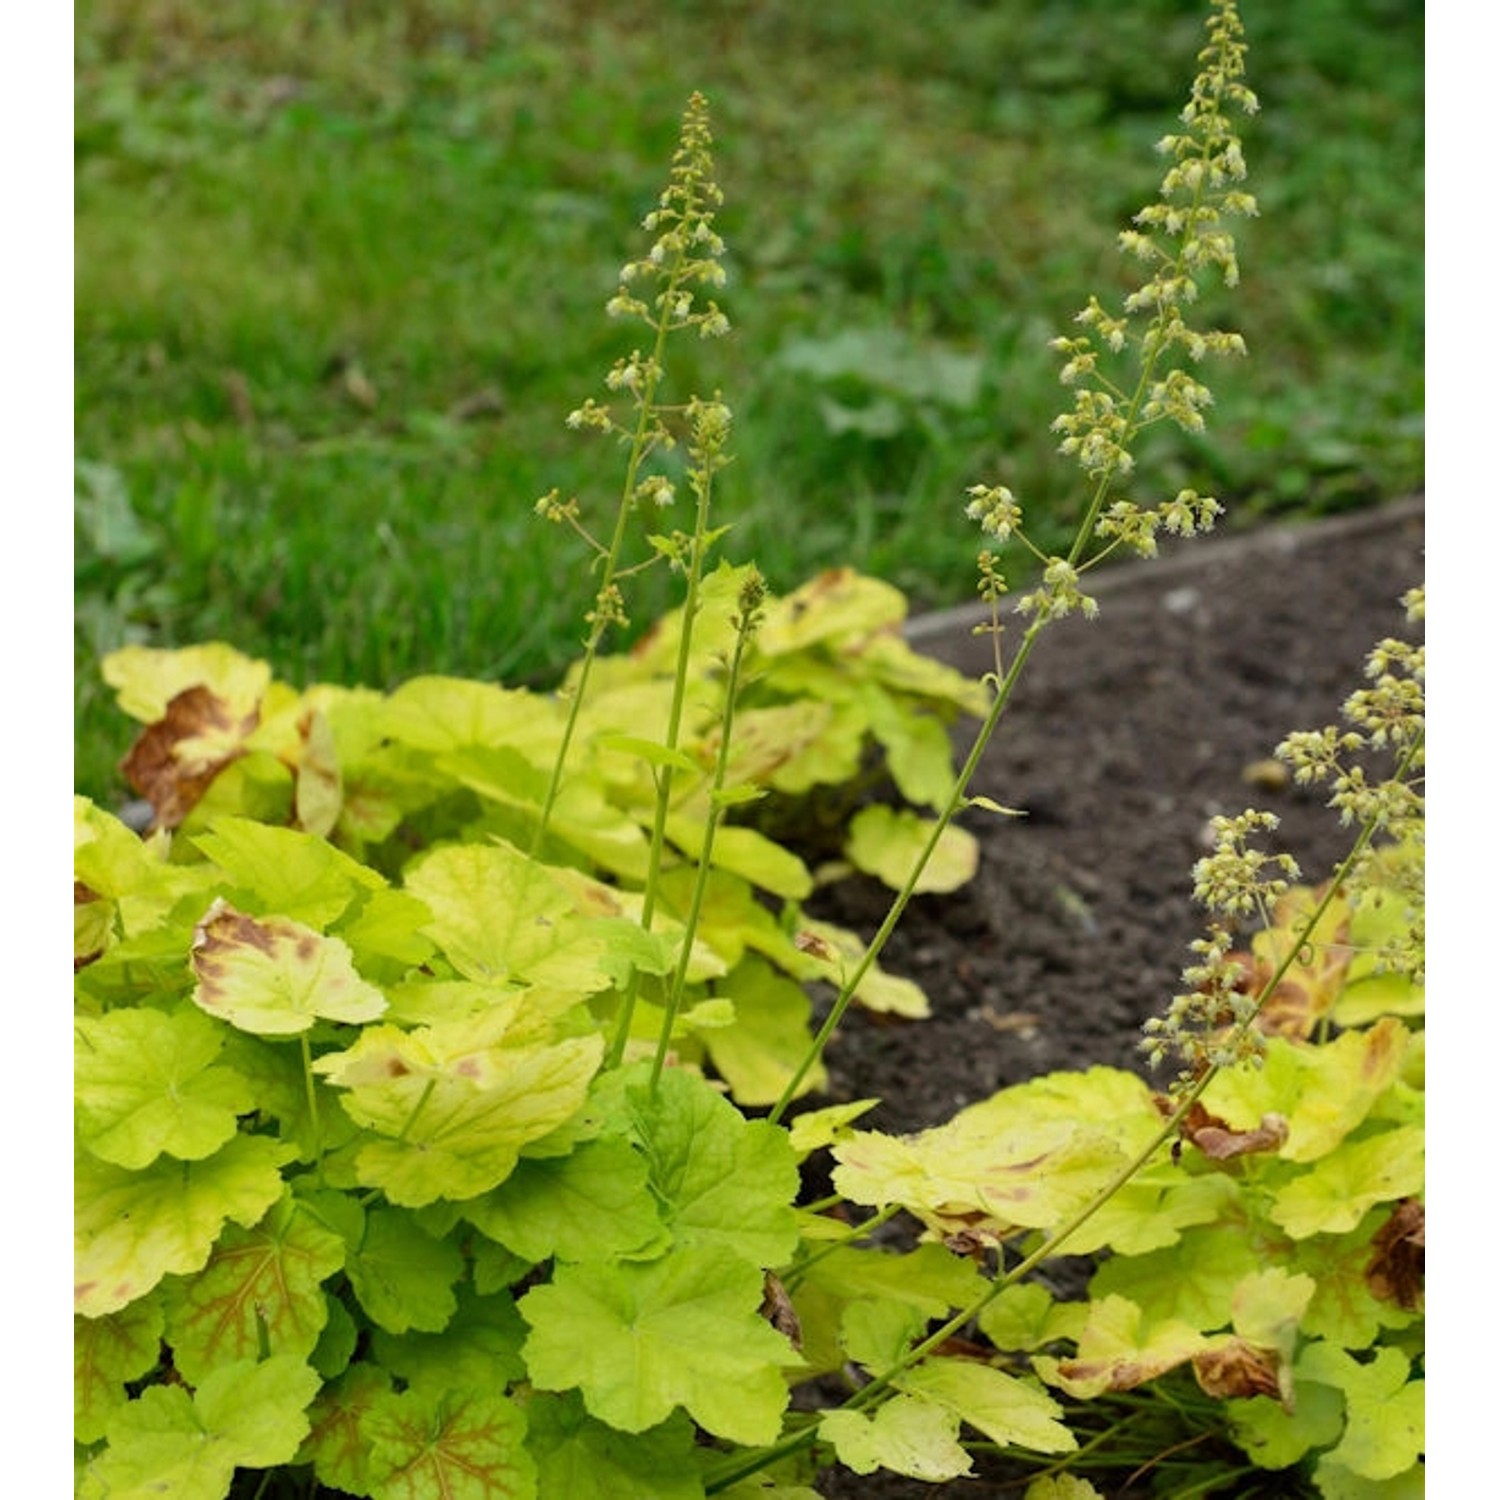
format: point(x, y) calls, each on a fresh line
point(1127, 734)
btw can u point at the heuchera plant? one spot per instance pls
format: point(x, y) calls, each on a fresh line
point(421, 1043)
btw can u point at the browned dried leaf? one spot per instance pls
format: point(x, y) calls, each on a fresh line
point(1239, 1369)
point(1397, 1270)
point(776, 1308)
point(1219, 1141)
point(174, 761)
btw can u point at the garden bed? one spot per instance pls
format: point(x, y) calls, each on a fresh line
point(1127, 736)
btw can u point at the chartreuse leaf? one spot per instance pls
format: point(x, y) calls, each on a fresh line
point(275, 977)
point(336, 1445)
point(480, 1349)
point(1119, 1349)
point(592, 1204)
point(148, 1081)
point(107, 1352)
point(132, 1228)
point(907, 1435)
point(886, 842)
point(1025, 1316)
point(721, 1179)
point(169, 1442)
point(444, 713)
point(582, 1459)
point(1343, 1309)
point(1276, 1438)
point(465, 1445)
point(294, 874)
point(581, 816)
point(388, 924)
point(1324, 1092)
point(838, 602)
point(816, 1128)
point(832, 952)
point(1060, 1487)
point(1191, 1281)
point(953, 1177)
point(1336, 1193)
point(639, 1339)
point(1384, 1433)
point(918, 749)
point(876, 1334)
point(131, 875)
point(261, 1289)
point(403, 1277)
point(498, 915)
point(1008, 1411)
point(453, 1103)
point(146, 679)
point(758, 1053)
point(744, 852)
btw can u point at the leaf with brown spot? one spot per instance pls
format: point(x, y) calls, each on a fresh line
point(1397, 1271)
point(93, 921)
point(174, 761)
point(319, 796)
point(275, 977)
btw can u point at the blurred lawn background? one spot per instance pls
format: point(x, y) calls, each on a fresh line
point(340, 270)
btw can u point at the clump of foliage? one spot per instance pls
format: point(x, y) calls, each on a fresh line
point(420, 1041)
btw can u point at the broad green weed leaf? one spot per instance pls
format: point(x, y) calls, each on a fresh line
point(1119, 1349)
point(639, 1340)
point(721, 1179)
point(454, 1104)
point(1385, 1431)
point(1010, 1412)
point(886, 842)
point(148, 1082)
point(107, 1352)
point(261, 1285)
point(275, 977)
point(480, 1349)
point(592, 1204)
point(1336, 1193)
point(770, 1034)
point(132, 1228)
point(170, 1442)
point(906, 1435)
point(402, 1276)
point(582, 1459)
point(293, 874)
point(460, 1446)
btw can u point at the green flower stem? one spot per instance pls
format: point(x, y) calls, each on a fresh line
point(883, 1383)
point(697, 552)
point(892, 917)
point(715, 812)
point(312, 1108)
point(639, 446)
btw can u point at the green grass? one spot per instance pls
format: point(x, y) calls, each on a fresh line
point(340, 272)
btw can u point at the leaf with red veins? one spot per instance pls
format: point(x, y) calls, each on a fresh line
point(174, 761)
point(462, 1446)
point(1397, 1270)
